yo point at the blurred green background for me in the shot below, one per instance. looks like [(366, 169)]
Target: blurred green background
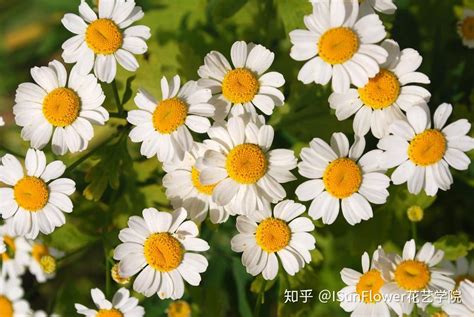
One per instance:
[(118, 182)]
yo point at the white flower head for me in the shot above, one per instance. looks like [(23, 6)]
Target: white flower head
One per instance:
[(60, 108), (163, 126), (466, 27), (462, 269), (11, 298), (16, 256), (43, 263), (100, 42), (466, 307)]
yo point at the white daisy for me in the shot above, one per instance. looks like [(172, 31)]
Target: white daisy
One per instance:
[(163, 126), (43, 261), (35, 201), (423, 154), (101, 42), (382, 99), (248, 174), (122, 305), (264, 234), (16, 256), (161, 247), (466, 307), (59, 107), (245, 85), (462, 269), (367, 288), (414, 274), (184, 189), (11, 302), (40, 313), (338, 44), (382, 6), (341, 177), (466, 27)]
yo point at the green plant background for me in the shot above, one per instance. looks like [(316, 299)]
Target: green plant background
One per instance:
[(117, 182)]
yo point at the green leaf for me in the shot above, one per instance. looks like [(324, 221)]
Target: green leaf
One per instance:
[(291, 12), (69, 238), (454, 246), (221, 9), (241, 277)]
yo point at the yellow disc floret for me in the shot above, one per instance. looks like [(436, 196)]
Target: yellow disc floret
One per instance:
[(10, 248), (412, 275), (369, 286), (342, 177), (204, 189), (48, 264), (467, 28), (117, 277), (103, 36), (31, 193), (109, 313), (179, 308), (273, 235), (163, 251), (381, 91), (169, 115), (6, 307), (338, 45), (240, 85), (427, 147), (415, 213), (246, 163), (61, 107), (38, 251)]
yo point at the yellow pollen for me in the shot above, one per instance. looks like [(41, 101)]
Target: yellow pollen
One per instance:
[(169, 115), (116, 275), (179, 309), (48, 264), (338, 45), (11, 248), (369, 286), (273, 235), (163, 251), (103, 36), (381, 91), (415, 213), (240, 85), (31, 193), (204, 189), (467, 28), (342, 177), (246, 163), (440, 314), (109, 313), (6, 307), (427, 147), (412, 275), (61, 107)]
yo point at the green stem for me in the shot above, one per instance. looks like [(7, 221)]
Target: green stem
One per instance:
[(116, 97), (260, 299), (415, 311), (117, 115), (413, 230), (9, 151)]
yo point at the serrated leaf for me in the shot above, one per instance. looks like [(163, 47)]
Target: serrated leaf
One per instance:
[(454, 246)]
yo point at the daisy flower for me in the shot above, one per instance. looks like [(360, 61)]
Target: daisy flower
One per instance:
[(184, 189), (59, 107), (423, 154), (117, 277), (382, 6), (264, 234), (122, 305), (466, 307), (245, 85), (161, 247), (16, 255), (341, 177), (11, 302), (367, 288), (247, 173), (381, 101), (462, 269), (466, 28), (163, 127), (339, 45), (43, 261), (35, 200), (179, 308), (101, 42), (414, 274)]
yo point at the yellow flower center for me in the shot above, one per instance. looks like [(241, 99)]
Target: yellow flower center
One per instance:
[(31, 193), (467, 28), (440, 314), (117, 277), (179, 309), (103, 36), (246, 163), (11, 248), (163, 251), (39, 250), (61, 107), (427, 147), (412, 275), (342, 177), (48, 264), (415, 213), (169, 115), (6, 307), (381, 91), (338, 45), (369, 286), (273, 234), (204, 189), (109, 313), (240, 85)]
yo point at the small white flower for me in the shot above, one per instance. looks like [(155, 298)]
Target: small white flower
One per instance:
[(382, 6), (264, 234), (466, 307), (16, 256), (466, 27), (43, 261), (101, 42), (461, 269), (12, 303)]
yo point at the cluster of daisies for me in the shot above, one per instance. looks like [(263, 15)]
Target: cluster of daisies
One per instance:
[(234, 170)]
